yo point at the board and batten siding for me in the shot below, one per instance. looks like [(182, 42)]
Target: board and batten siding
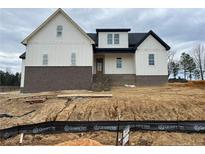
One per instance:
[(22, 73), (59, 49), (151, 46), (128, 64), (123, 40)]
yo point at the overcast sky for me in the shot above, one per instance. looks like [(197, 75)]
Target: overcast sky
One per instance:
[(182, 29)]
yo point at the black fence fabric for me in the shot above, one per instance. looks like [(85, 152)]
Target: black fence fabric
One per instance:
[(85, 126)]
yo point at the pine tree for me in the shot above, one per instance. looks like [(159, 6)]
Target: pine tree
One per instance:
[(184, 60), (175, 68), (191, 66)]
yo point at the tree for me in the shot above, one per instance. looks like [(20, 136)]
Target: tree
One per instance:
[(171, 54), (174, 68), (9, 79), (191, 66), (184, 60), (196, 74), (199, 58)]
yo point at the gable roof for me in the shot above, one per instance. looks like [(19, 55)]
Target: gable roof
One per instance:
[(156, 37), (49, 19)]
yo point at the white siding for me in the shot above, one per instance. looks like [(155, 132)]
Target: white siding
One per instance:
[(22, 73), (128, 64), (59, 49), (151, 43), (151, 46), (102, 40)]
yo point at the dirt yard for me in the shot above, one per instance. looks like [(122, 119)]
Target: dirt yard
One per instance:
[(109, 138), (171, 102)]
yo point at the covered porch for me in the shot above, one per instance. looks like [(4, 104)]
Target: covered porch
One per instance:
[(117, 67), (114, 61)]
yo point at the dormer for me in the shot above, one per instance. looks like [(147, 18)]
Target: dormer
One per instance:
[(113, 38)]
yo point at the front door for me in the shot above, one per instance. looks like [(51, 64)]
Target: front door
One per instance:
[(99, 65)]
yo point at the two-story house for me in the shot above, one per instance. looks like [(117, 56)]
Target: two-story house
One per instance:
[(60, 55)]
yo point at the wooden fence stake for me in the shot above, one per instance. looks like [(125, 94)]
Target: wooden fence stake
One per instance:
[(21, 138)]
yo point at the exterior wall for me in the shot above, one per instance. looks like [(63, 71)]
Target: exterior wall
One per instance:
[(151, 46), (151, 80), (121, 79), (52, 78), (128, 63), (22, 73), (59, 49), (102, 40)]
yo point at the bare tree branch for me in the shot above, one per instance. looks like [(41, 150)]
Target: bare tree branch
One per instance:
[(199, 57)]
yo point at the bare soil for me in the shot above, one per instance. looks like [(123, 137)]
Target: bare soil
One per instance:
[(109, 138), (180, 101)]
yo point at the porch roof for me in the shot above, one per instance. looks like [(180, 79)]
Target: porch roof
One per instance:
[(114, 50)]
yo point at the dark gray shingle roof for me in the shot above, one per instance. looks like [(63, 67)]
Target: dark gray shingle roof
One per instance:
[(94, 37), (113, 30), (23, 55), (135, 39)]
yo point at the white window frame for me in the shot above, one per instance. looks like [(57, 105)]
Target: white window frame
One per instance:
[(59, 31), (119, 62), (109, 38), (116, 38), (45, 59), (151, 59), (73, 59)]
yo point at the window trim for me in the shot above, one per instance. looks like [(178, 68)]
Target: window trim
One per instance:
[(73, 59), (118, 62), (59, 31), (110, 39), (151, 59), (45, 59), (117, 38)]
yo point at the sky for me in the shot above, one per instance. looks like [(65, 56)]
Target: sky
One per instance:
[(181, 29)]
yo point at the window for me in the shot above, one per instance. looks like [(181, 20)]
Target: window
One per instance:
[(116, 39), (151, 59), (45, 59), (109, 38), (59, 30), (73, 59), (119, 62)]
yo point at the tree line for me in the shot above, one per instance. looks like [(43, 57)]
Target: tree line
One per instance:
[(191, 63), (9, 79)]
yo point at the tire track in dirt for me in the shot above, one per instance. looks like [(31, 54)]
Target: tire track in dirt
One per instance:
[(72, 111), (90, 113), (67, 103)]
